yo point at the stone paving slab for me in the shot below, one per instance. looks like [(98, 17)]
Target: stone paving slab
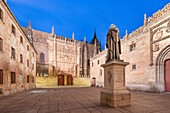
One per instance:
[(80, 100)]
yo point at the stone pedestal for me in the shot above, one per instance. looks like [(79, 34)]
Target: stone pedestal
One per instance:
[(115, 94)]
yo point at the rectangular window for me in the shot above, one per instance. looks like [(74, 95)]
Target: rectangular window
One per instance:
[(28, 77), (27, 63), (32, 79), (134, 67), (88, 62), (92, 64), (32, 66), (13, 30), (12, 53), (1, 14), (13, 77), (1, 76), (1, 44), (21, 58), (28, 47), (98, 62), (132, 47), (21, 79), (21, 39), (33, 54)]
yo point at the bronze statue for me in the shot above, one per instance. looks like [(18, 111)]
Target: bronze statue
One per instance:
[(113, 43)]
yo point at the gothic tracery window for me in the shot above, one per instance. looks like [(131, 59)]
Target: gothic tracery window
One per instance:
[(42, 57)]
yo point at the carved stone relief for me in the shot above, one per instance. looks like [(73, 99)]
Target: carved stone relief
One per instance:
[(158, 35), (155, 47)]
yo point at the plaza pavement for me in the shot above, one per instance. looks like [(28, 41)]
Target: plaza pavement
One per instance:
[(80, 100)]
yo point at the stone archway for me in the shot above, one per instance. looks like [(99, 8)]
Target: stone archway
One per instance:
[(160, 66)]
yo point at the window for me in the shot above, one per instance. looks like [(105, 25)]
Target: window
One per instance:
[(98, 62), (21, 58), (28, 47), (12, 53), (32, 79), (92, 64), (1, 14), (42, 57), (28, 77), (33, 54), (1, 44), (32, 66), (21, 39), (132, 46), (13, 77), (13, 30), (1, 76), (21, 79), (88, 62), (27, 63), (134, 67)]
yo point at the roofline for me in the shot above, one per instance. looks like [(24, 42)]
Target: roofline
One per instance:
[(19, 25)]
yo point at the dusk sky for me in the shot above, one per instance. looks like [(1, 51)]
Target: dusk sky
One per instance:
[(82, 16)]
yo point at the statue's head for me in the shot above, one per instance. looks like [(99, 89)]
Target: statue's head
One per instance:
[(112, 26)]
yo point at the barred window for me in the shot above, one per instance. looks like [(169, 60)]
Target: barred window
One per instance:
[(13, 77), (134, 67), (32, 79), (32, 66), (21, 39), (28, 78), (1, 76), (21, 58), (27, 63), (132, 46), (28, 47), (1, 44), (1, 14), (13, 30), (12, 53), (98, 62)]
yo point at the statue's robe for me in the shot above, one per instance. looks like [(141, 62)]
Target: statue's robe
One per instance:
[(113, 44)]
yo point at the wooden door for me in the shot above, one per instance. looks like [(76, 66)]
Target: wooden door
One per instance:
[(69, 80), (93, 81), (167, 75), (60, 80)]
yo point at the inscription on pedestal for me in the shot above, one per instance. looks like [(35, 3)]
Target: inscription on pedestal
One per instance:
[(119, 75)]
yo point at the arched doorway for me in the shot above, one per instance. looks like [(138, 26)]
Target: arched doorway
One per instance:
[(69, 80), (60, 80), (167, 75), (93, 81)]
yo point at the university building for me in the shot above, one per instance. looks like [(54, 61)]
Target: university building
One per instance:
[(147, 49), (17, 55), (64, 58)]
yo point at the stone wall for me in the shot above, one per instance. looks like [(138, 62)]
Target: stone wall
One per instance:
[(151, 40), (9, 64), (96, 70)]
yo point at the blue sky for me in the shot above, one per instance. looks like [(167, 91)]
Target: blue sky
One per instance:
[(82, 16)]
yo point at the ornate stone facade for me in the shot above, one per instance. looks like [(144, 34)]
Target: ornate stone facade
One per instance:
[(147, 49), (17, 55), (62, 56)]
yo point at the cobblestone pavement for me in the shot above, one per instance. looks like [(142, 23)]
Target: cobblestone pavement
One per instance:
[(79, 100)]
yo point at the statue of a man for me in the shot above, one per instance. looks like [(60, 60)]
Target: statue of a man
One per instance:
[(113, 43)]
